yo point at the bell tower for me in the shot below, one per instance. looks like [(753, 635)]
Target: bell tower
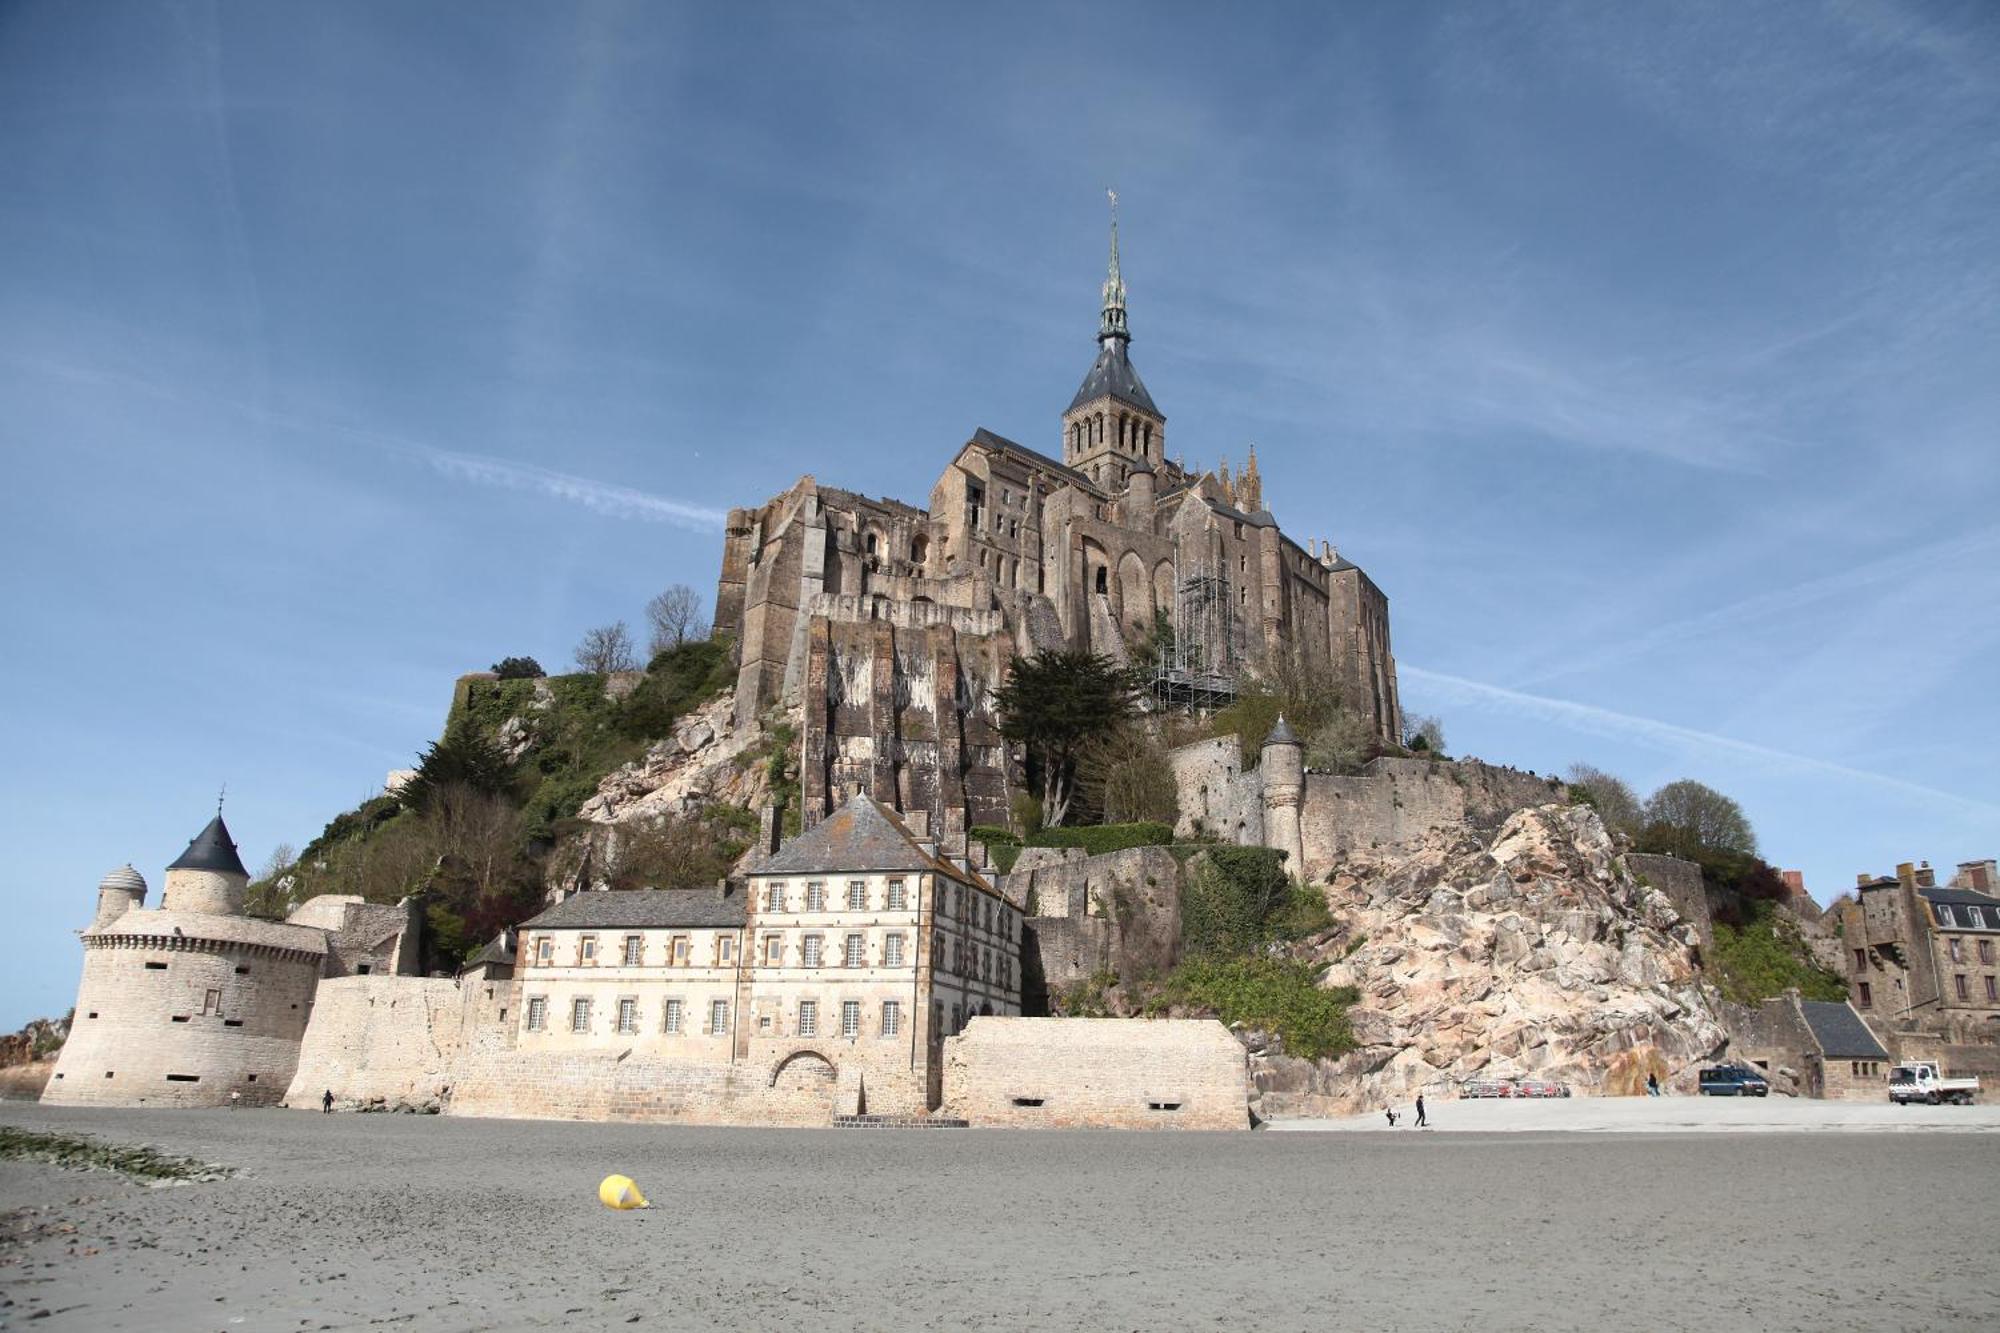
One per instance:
[(1112, 424)]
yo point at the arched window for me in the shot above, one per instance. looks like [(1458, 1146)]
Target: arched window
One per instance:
[(920, 549), (1103, 579), (871, 543)]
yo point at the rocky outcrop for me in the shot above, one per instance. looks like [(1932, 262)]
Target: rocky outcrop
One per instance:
[(1538, 954)]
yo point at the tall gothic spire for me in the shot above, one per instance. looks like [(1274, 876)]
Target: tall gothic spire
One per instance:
[(1112, 324)]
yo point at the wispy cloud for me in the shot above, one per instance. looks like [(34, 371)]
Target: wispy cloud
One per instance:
[(1670, 737), (601, 497)]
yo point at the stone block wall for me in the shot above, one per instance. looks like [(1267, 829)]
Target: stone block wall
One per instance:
[(1681, 882), (603, 1085), (1097, 1073), (380, 1038)]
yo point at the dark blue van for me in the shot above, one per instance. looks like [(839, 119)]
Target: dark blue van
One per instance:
[(1733, 1081)]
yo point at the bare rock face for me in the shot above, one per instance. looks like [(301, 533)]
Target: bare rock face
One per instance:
[(705, 761), (1539, 955)]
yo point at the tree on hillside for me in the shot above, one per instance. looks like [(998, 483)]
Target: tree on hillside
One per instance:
[(1423, 734), (1057, 704), (1686, 818), (606, 649), (674, 616), (1126, 775), (518, 668), (1610, 795), (1342, 745), (464, 757), (270, 894)]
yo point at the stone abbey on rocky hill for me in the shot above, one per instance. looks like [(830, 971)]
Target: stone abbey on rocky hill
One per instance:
[(891, 623)]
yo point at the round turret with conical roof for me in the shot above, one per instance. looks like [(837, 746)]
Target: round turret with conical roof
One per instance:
[(208, 876)]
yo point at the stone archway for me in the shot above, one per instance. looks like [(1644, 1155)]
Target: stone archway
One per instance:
[(803, 1071)]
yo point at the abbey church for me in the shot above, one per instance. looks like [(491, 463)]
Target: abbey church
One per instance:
[(892, 623)]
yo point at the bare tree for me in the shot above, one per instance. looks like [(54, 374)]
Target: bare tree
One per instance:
[(1610, 795), (1422, 732), (673, 615), (271, 895), (1343, 744), (606, 649), (1128, 776), (1686, 817)]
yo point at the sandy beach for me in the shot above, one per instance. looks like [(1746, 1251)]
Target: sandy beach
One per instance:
[(346, 1222)]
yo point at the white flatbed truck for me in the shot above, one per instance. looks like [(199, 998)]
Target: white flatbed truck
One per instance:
[(1920, 1081)]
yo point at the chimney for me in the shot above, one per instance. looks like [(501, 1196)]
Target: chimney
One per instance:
[(1863, 880), (1978, 875), (1795, 880), (919, 823), (1906, 874), (1926, 877), (770, 830)]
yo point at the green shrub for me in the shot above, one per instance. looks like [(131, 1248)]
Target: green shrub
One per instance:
[(678, 680), (1238, 898), (1270, 994), (1764, 957), (992, 834), (1004, 855), (518, 668), (1098, 839)]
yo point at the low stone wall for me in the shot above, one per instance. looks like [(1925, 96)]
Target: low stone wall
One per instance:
[(1096, 1073), (1681, 882), (607, 1085), (1398, 801)]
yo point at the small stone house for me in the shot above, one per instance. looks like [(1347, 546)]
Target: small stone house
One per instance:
[(1815, 1048)]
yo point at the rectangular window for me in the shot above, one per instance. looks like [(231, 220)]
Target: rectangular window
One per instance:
[(1991, 992), (1867, 997), (1957, 947), (810, 948), (774, 898), (1964, 991), (892, 1017), (899, 897), (1860, 960), (808, 1018), (634, 949), (677, 951), (815, 897), (857, 895), (586, 949), (211, 1002), (850, 1019), (579, 1014), (156, 967), (538, 1014), (725, 950), (774, 950), (545, 950), (628, 1015), (857, 952), (892, 951), (718, 1016), (1985, 952), (673, 1023)]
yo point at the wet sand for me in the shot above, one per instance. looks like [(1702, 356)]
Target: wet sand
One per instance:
[(345, 1222)]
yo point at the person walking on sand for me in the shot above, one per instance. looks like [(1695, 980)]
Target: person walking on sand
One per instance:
[(1390, 1111), (326, 1103), (1652, 1085), (1421, 1122)]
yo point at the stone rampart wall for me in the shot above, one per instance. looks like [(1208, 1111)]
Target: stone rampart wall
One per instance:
[(1096, 1073), (387, 1038), (1681, 882), (605, 1085)]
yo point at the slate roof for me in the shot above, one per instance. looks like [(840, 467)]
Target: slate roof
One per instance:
[(1840, 1032), (863, 835), (1282, 733), (212, 849), (1112, 374), (640, 909), (1033, 456), (1960, 897)]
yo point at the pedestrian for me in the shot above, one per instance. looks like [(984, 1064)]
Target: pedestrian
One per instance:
[(1421, 1122), (1391, 1113), (1652, 1085), (235, 1098), (326, 1103)]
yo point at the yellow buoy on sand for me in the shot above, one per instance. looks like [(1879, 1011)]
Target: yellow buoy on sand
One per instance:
[(619, 1192)]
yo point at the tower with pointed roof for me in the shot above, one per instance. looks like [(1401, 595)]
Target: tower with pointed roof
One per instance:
[(1112, 424), (208, 876)]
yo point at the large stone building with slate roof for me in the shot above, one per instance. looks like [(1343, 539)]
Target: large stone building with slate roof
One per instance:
[(841, 963), (196, 1003), (1923, 963), (890, 623)]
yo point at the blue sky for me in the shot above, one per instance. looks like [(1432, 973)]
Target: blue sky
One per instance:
[(1646, 357)]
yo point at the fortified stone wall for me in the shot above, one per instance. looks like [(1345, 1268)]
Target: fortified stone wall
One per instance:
[(363, 938), (381, 1038), (1119, 911), (1682, 883), (608, 1085), (906, 715), (1097, 1073)]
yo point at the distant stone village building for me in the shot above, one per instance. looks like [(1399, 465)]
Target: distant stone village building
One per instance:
[(197, 1004), (848, 957), (1814, 1048), (1923, 963), (891, 624)]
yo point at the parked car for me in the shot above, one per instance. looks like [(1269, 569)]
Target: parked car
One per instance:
[(1733, 1081), (1921, 1081)]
